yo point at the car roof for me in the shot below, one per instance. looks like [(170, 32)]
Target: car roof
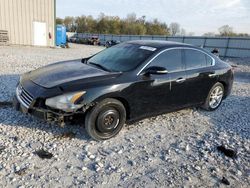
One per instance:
[(160, 44)]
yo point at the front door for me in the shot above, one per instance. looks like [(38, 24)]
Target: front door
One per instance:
[(162, 93)]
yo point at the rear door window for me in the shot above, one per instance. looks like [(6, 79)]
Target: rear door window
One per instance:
[(171, 60), (194, 59)]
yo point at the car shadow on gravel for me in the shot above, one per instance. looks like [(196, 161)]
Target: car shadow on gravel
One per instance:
[(232, 116), (7, 86)]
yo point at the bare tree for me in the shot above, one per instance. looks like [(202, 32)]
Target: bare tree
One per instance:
[(174, 28), (226, 30), (243, 35), (182, 32), (191, 34), (131, 17)]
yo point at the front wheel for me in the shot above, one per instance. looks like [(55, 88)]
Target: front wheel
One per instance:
[(214, 97), (106, 119)]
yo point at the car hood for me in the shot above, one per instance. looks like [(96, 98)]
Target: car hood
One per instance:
[(66, 72)]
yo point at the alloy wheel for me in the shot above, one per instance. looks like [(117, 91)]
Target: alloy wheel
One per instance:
[(216, 97)]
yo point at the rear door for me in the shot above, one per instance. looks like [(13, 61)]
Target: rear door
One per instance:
[(200, 75)]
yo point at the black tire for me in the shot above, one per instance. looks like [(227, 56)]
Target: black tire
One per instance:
[(207, 106), (105, 120)]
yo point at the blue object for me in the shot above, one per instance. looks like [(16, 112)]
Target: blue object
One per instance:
[(60, 35)]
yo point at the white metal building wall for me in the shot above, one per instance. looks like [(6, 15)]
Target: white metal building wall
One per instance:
[(18, 17)]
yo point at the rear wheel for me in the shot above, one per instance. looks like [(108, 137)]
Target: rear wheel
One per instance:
[(214, 97), (106, 119)]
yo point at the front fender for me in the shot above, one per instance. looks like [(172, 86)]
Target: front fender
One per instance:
[(95, 95)]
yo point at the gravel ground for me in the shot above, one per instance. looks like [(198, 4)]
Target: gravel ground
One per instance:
[(172, 150), (241, 68)]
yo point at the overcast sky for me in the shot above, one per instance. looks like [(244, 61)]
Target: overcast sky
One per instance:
[(198, 16)]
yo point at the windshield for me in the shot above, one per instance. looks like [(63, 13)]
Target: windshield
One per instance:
[(121, 58)]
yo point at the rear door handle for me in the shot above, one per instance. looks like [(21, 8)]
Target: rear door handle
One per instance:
[(180, 80), (212, 75)]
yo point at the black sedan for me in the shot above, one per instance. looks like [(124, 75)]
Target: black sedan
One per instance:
[(125, 83)]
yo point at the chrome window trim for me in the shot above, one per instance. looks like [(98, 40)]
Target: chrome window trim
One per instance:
[(178, 48)]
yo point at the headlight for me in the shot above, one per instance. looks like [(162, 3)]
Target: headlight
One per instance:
[(68, 102)]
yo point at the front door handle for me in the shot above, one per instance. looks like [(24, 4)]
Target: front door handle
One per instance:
[(180, 80), (212, 75)]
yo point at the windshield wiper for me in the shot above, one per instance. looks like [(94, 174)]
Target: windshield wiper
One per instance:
[(99, 66)]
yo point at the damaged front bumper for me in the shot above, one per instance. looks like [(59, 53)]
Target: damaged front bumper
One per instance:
[(48, 115), (45, 114)]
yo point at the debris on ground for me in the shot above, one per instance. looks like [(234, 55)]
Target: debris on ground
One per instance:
[(15, 138), (22, 171), (2, 148), (225, 181), (228, 152), (43, 154)]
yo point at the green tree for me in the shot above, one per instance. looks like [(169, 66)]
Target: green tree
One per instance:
[(114, 25), (103, 24), (81, 26), (69, 23), (90, 24), (157, 28), (59, 21)]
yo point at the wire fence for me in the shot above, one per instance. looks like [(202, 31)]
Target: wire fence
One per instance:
[(227, 46)]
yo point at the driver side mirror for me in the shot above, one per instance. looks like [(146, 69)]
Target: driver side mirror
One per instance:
[(84, 60), (155, 70)]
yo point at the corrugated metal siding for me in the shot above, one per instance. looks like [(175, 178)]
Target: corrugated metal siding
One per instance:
[(228, 47), (17, 17), (197, 42), (175, 39)]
